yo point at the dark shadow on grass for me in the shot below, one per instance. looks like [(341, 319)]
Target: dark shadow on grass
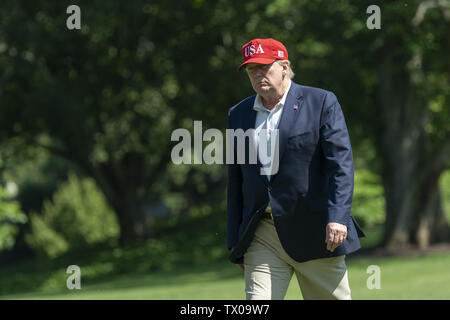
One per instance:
[(217, 271), (190, 244)]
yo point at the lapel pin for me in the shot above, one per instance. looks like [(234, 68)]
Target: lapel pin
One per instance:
[(295, 107)]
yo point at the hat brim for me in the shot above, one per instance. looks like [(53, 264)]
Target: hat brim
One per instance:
[(257, 60)]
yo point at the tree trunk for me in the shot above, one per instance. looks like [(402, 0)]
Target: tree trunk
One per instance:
[(429, 222), (411, 171), (414, 214), (131, 218), (122, 195)]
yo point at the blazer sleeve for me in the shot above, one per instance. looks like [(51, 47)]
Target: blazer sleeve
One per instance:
[(234, 197), (337, 150)]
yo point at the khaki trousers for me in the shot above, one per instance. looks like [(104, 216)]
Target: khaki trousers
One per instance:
[(269, 269)]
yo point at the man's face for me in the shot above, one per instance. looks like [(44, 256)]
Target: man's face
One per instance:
[(266, 79)]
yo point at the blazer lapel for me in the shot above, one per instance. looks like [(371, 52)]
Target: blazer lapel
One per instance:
[(250, 116), (289, 115), (249, 123)]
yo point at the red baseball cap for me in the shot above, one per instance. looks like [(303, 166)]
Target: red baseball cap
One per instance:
[(263, 51)]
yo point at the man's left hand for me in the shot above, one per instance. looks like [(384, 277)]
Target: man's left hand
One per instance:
[(336, 233)]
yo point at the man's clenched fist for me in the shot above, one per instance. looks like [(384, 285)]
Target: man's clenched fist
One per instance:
[(336, 233)]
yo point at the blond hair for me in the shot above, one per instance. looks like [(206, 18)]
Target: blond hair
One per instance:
[(290, 72)]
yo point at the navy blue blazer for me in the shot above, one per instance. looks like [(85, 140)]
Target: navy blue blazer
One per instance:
[(313, 185)]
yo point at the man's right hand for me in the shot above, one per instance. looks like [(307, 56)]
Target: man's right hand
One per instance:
[(240, 266)]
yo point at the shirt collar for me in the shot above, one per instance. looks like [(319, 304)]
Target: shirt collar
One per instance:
[(258, 106)]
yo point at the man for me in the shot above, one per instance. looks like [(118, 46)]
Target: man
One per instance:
[(294, 218)]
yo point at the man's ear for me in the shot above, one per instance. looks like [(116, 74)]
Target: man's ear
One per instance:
[(285, 66)]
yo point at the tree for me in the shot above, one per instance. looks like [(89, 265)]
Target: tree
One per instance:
[(108, 96), (395, 88), (414, 94)]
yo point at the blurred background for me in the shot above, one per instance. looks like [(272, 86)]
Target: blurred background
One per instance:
[(86, 118)]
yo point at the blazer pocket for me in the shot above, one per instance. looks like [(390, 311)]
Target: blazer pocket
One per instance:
[(303, 142)]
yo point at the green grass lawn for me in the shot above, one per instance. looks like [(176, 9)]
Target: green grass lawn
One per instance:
[(421, 277)]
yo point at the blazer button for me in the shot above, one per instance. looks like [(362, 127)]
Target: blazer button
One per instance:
[(269, 188)]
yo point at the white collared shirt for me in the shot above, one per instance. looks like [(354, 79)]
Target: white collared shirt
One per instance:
[(269, 120)]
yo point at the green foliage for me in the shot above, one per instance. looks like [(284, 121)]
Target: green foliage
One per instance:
[(108, 96), (37, 173), (445, 192), (187, 240), (77, 216), (10, 217), (44, 240), (368, 201)]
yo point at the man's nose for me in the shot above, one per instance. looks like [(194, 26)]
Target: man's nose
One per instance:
[(259, 74)]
